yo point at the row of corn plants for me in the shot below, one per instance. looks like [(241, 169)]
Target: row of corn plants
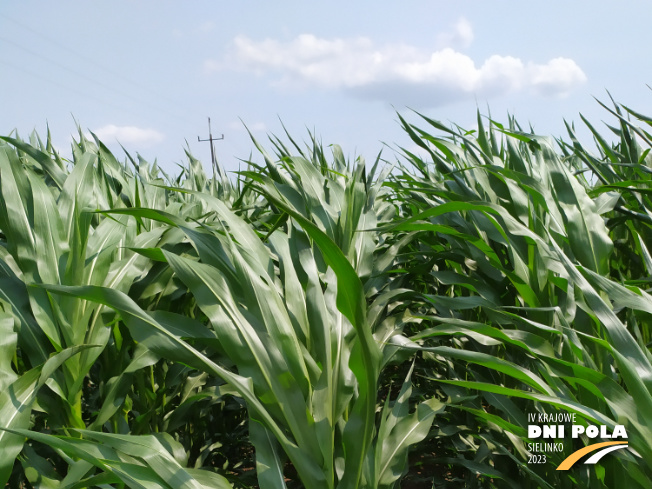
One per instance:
[(315, 322)]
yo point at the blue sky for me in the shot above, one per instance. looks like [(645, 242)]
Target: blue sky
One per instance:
[(148, 73)]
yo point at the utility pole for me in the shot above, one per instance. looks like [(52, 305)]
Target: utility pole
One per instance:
[(211, 139)]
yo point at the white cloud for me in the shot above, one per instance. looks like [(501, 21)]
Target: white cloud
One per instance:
[(557, 77), (398, 73), (461, 36), (129, 134)]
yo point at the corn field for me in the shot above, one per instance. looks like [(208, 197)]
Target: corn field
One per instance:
[(322, 323)]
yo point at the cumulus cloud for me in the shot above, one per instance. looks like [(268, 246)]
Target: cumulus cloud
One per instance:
[(559, 75), (129, 134), (461, 36), (398, 73)]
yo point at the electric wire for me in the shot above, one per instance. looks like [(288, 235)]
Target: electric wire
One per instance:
[(91, 80), (91, 61)]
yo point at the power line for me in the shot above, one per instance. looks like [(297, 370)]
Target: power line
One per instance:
[(92, 80), (93, 63), (65, 87), (87, 59)]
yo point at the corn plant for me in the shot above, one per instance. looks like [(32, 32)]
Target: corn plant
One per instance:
[(519, 294), (50, 237), (315, 322)]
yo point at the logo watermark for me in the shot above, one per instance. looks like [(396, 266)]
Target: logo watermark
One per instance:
[(548, 433)]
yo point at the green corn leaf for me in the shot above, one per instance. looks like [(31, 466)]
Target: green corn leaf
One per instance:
[(15, 406)]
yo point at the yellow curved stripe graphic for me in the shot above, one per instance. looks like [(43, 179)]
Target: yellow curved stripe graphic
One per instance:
[(575, 456)]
